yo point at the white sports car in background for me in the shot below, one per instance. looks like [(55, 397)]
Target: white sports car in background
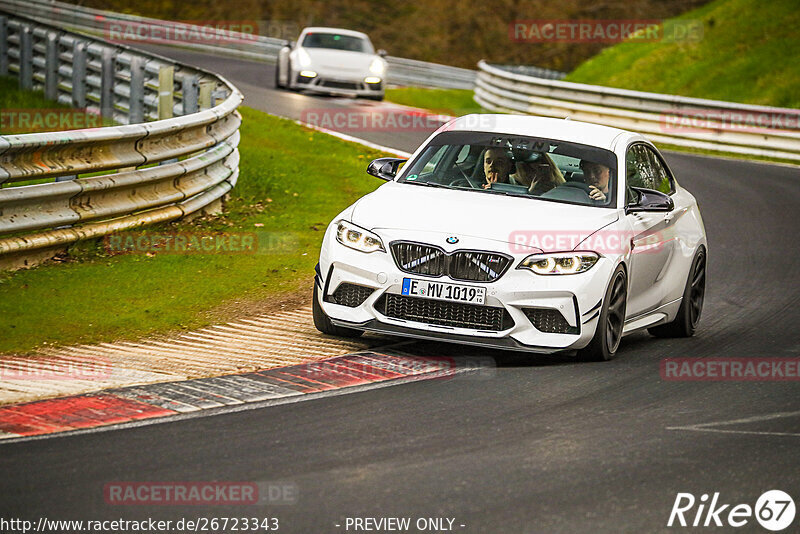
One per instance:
[(521, 233), (334, 61)]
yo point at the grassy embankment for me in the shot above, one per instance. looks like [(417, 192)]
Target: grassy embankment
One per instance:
[(293, 181)]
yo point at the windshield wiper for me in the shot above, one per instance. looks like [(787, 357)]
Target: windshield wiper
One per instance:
[(498, 192), (432, 184)]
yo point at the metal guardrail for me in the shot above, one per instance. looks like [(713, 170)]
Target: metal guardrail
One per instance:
[(681, 121), (149, 171), (247, 46)]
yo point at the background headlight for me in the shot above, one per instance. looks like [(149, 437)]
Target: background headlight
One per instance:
[(355, 237), (377, 66), (560, 262)]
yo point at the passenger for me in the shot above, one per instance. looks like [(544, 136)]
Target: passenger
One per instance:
[(540, 176), (496, 166), (596, 176)]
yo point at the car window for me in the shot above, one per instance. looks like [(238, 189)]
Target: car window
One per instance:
[(662, 180), (528, 167), (643, 168), (336, 41), (431, 156)]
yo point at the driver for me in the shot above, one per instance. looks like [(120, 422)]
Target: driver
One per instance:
[(596, 176)]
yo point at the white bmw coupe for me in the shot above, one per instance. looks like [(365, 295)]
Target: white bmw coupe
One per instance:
[(521, 233), (334, 61)]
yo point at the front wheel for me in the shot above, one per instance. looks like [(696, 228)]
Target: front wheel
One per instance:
[(278, 84), (324, 324), (611, 321), (685, 323)]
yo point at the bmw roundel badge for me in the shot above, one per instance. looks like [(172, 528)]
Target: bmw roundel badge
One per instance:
[(452, 240)]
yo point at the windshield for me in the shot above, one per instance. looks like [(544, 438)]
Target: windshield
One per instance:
[(530, 167), (337, 42)]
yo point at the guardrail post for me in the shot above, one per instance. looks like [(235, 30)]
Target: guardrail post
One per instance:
[(189, 90), (79, 75), (3, 46), (107, 72), (51, 67), (204, 95), (165, 89), (26, 58), (136, 97)]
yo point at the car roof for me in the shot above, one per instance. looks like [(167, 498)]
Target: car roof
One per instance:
[(341, 31), (585, 133)]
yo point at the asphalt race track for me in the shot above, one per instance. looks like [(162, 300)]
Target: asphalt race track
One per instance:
[(537, 444)]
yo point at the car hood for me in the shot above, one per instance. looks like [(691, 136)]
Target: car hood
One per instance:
[(528, 223), (341, 60)]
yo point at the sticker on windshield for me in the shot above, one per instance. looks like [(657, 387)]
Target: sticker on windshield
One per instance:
[(412, 177)]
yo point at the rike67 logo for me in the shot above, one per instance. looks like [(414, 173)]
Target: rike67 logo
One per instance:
[(774, 510)]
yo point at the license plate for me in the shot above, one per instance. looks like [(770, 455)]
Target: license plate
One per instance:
[(443, 291)]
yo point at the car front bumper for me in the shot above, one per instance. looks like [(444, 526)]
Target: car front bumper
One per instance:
[(338, 84), (524, 297)]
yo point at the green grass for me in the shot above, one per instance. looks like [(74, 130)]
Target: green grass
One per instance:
[(454, 102), (293, 181), (749, 52), (19, 112)]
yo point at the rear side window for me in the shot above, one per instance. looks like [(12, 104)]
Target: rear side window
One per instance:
[(644, 168)]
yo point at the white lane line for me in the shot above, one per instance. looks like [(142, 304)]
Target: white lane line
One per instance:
[(710, 427), (721, 431)]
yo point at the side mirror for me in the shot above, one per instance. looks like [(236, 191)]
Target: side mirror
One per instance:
[(650, 200), (384, 168), (382, 52)]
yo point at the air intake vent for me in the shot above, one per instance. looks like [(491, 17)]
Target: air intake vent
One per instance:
[(350, 295), (549, 320), (440, 312)]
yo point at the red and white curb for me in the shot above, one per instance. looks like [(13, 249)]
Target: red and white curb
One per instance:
[(152, 401)]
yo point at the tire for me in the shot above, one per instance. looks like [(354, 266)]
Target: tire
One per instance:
[(324, 324), (278, 76), (604, 344), (377, 98), (685, 323)]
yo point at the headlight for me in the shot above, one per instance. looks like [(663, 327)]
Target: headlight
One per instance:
[(377, 66), (355, 237), (303, 58), (560, 262)]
